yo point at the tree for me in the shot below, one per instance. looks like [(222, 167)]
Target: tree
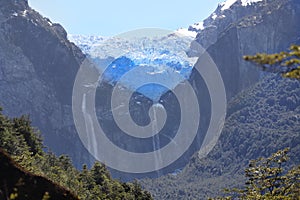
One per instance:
[(22, 125), (99, 173), (268, 179), (285, 63)]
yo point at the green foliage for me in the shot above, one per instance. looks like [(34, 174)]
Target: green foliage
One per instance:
[(288, 62), (268, 179), (20, 140)]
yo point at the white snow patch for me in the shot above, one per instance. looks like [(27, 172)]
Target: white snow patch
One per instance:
[(198, 26), (227, 4), (15, 14), (186, 32), (24, 13), (249, 2), (214, 16), (33, 22)]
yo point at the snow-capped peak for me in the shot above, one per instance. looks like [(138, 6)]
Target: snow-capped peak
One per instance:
[(228, 3)]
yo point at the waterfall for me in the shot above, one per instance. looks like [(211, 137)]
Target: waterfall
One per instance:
[(155, 141), (89, 128)]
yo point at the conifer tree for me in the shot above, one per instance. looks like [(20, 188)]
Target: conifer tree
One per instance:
[(285, 63), (268, 179)]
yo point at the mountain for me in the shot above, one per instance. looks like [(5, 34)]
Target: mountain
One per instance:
[(38, 66), (227, 35), (232, 28), (261, 119), (152, 60)]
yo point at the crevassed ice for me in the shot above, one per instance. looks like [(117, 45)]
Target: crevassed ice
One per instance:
[(159, 59), (85, 42)]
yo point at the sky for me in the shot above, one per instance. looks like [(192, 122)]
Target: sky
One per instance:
[(112, 17)]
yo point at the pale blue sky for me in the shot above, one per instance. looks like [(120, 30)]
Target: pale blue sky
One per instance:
[(111, 17)]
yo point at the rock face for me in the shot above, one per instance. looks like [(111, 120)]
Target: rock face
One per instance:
[(37, 70), (245, 29)]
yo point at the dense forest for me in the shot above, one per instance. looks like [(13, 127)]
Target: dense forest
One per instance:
[(28, 172)]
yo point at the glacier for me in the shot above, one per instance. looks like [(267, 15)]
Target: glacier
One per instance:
[(157, 57)]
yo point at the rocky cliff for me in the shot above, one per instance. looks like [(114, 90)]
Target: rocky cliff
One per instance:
[(37, 70), (238, 28)]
